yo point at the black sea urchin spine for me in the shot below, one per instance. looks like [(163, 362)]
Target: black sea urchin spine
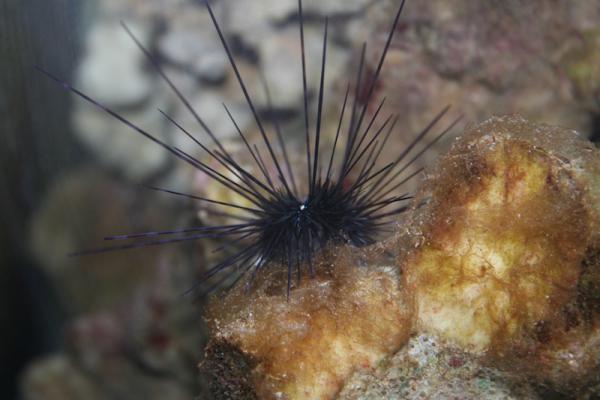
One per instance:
[(282, 225)]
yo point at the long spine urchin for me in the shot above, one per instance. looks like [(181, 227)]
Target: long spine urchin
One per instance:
[(286, 222)]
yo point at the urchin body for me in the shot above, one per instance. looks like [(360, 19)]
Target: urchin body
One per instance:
[(304, 226)]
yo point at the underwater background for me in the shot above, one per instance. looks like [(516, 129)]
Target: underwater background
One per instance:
[(116, 325)]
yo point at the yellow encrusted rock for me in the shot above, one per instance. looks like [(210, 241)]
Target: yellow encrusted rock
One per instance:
[(502, 243)]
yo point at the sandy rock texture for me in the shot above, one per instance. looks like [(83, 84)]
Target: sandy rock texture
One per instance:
[(429, 368)]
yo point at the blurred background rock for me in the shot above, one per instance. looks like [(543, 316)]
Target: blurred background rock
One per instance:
[(116, 324)]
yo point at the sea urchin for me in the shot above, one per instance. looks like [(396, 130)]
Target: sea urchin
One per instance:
[(348, 201)]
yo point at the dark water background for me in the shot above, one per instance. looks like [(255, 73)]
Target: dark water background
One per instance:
[(35, 146)]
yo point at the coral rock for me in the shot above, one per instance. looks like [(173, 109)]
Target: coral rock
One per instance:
[(347, 317), (502, 260)]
